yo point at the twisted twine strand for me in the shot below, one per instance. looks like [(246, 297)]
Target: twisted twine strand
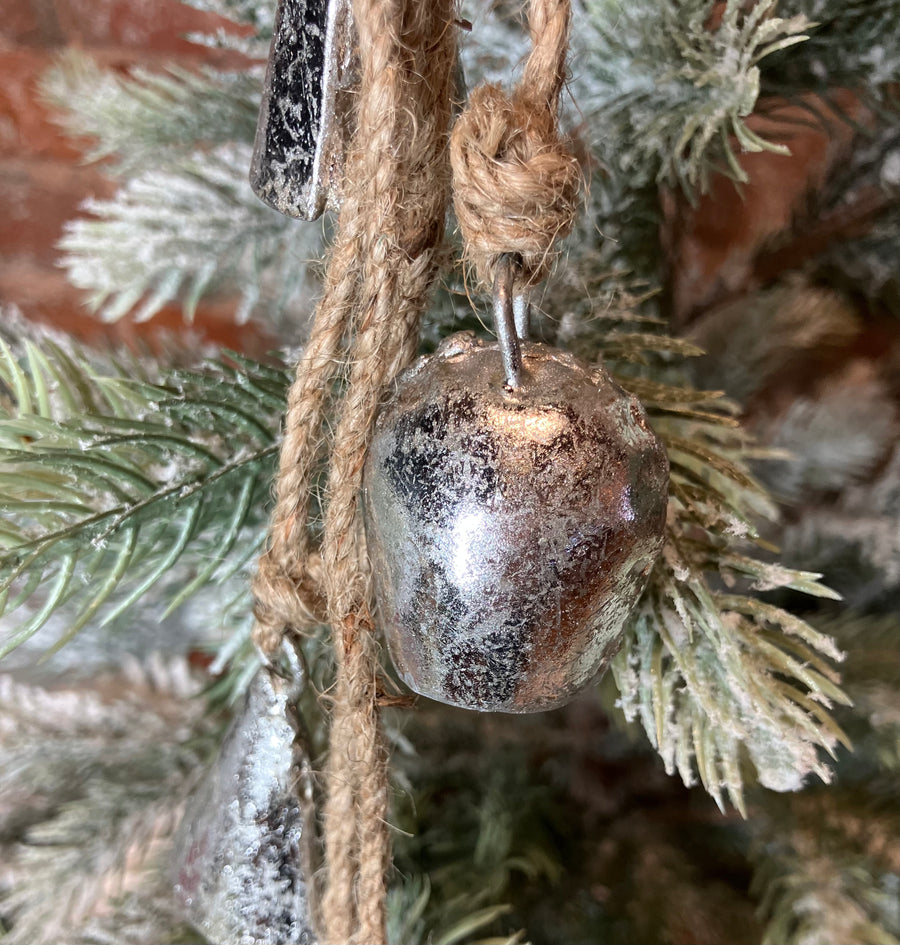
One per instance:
[(516, 182), (382, 264), (288, 585), (356, 740), (405, 204)]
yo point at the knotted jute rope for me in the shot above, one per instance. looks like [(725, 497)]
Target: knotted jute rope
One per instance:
[(516, 186), (516, 182), (384, 259)]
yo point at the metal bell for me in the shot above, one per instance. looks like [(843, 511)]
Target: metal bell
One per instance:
[(244, 852), (515, 504), (303, 125)]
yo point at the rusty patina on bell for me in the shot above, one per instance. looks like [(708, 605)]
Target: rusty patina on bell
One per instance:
[(512, 517)]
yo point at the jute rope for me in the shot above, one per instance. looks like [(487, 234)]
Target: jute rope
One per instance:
[(383, 262), (516, 186), (516, 182)]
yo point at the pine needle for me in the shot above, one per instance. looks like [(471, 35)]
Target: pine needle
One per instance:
[(155, 470)]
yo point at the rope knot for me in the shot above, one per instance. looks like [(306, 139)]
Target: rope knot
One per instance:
[(285, 602), (516, 182)]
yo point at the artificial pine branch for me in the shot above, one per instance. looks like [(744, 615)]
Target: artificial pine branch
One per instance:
[(711, 675), (827, 861), (691, 88), (693, 77), (853, 46), (718, 681), (713, 672), (827, 871), (872, 679), (183, 230), (256, 14), (185, 221), (148, 118), (836, 464), (110, 480), (855, 537), (749, 341), (663, 92), (96, 777), (848, 229), (471, 830), (833, 438)]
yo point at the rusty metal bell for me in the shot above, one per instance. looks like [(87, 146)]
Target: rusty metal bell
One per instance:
[(515, 504)]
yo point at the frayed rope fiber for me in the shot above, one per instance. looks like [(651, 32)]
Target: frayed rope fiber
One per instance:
[(510, 166)]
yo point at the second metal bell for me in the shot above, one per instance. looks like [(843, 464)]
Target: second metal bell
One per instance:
[(511, 529)]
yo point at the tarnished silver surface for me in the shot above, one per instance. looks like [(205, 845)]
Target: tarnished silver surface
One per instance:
[(243, 851), (511, 531), (522, 315), (510, 321), (304, 116)]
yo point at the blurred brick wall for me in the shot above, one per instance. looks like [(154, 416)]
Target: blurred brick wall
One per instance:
[(42, 179)]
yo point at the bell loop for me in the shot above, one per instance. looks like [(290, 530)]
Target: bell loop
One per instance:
[(522, 314), (512, 316)]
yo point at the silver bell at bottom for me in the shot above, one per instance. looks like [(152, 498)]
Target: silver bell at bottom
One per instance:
[(511, 529), (244, 849)]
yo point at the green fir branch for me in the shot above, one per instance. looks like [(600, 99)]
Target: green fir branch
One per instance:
[(255, 13), (82, 860), (871, 676), (713, 677), (670, 85), (145, 119), (183, 230), (835, 439), (185, 222), (97, 776), (750, 340), (258, 15), (704, 672), (852, 45), (826, 870), (111, 480), (471, 830)]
